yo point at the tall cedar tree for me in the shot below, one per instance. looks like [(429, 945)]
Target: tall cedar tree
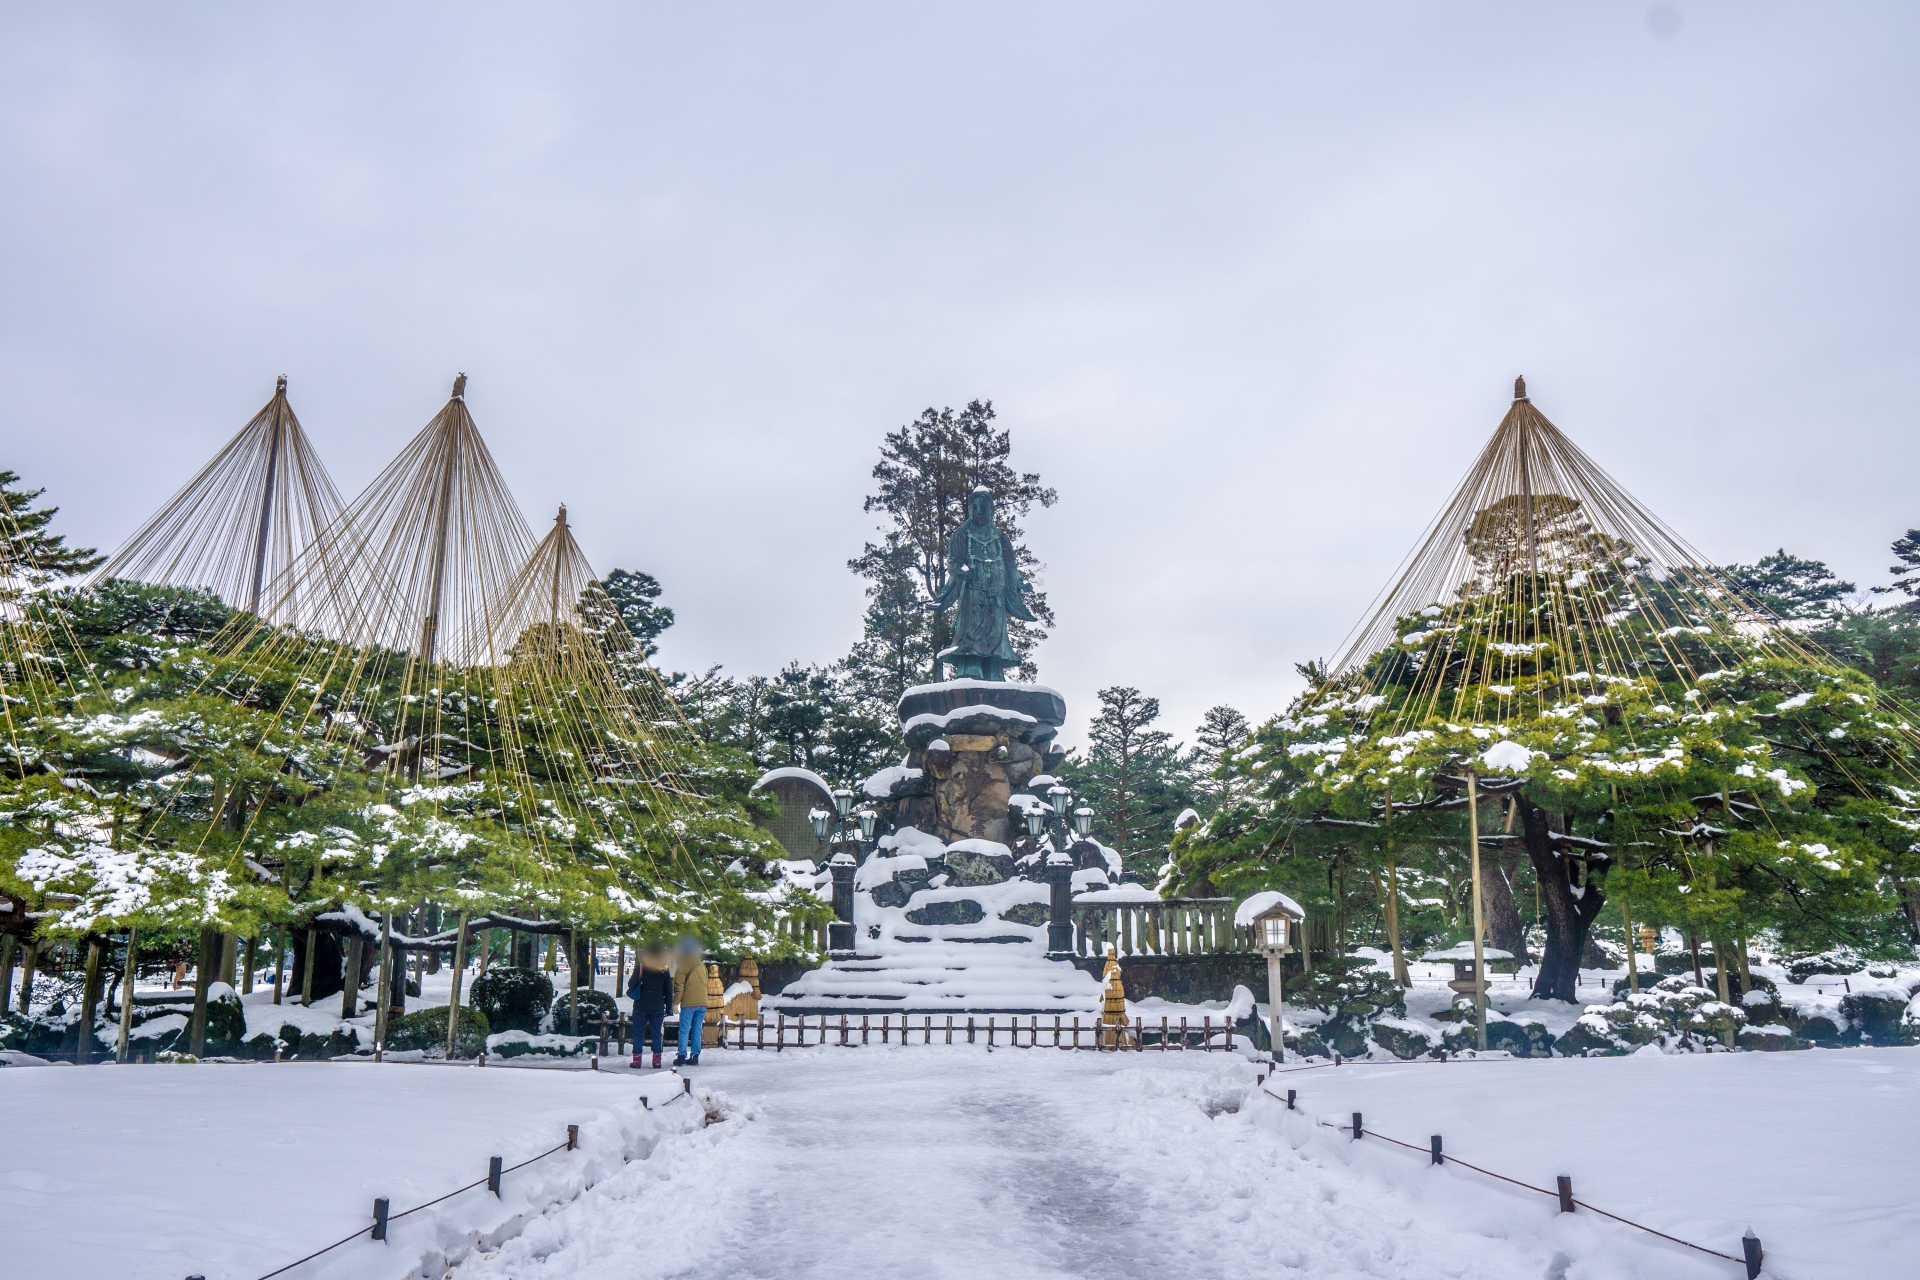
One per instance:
[(926, 470), (27, 551)]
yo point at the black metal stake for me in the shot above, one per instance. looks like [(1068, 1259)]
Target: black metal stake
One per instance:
[(493, 1174), (1750, 1243), (1357, 1129), (573, 1137), (1566, 1193), (1437, 1157), (1290, 1096), (380, 1219)]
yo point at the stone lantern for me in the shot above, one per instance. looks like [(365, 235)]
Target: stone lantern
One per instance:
[(1465, 980), (1272, 916)]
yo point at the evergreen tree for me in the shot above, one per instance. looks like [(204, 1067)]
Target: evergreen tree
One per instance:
[(28, 553), (1134, 777), (1792, 588), (1906, 549), (926, 470), (1223, 730), (1884, 643), (634, 594)]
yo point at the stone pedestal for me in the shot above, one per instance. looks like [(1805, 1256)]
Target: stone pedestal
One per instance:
[(971, 744)]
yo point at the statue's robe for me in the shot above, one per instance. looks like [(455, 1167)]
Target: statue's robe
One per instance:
[(983, 579)]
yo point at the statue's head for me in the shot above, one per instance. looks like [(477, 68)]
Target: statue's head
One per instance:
[(980, 506)]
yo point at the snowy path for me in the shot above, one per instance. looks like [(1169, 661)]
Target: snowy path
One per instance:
[(935, 1162)]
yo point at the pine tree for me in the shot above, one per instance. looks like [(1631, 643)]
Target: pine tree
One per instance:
[(1223, 730), (633, 593), (1792, 588), (27, 551), (1906, 549), (926, 470), (1135, 778)]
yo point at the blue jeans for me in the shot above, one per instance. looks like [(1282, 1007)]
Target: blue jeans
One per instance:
[(691, 1021), (649, 1026)]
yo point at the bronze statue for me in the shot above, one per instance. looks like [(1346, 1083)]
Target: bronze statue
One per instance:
[(983, 579)]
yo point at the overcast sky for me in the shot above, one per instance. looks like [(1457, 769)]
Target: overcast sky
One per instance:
[(1249, 284)]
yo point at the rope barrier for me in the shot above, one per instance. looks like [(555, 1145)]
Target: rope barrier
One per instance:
[(1528, 1186), (417, 1208)]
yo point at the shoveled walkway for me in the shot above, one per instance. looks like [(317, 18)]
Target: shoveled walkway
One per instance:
[(936, 1162)]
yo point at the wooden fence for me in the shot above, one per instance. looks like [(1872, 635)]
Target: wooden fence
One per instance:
[(1169, 927), (1030, 1031)]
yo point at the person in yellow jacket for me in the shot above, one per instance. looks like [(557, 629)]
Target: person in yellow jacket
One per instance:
[(690, 993)]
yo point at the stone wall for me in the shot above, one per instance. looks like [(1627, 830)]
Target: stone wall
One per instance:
[(1188, 979)]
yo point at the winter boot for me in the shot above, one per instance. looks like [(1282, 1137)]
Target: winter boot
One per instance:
[(679, 1060), (694, 1061), (656, 1061), (636, 1062)]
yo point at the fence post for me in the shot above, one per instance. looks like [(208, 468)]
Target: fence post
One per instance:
[(1565, 1185), (1437, 1157), (1290, 1096), (1750, 1245), (380, 1219), (1358, 1130), (573, 1137), (493, 1175)]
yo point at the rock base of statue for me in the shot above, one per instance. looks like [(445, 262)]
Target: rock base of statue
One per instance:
[(972, 744)]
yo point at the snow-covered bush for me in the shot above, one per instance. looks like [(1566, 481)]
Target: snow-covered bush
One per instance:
[(1879, 1017), (427, 1029), (594, 1005), (513, 999), (514, 1044), (1673, 1013), (1354, 995)]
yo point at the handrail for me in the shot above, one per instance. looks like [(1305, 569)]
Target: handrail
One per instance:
[(1167, 927)]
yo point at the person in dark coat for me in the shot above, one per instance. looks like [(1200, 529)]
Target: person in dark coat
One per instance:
[(651, 988)]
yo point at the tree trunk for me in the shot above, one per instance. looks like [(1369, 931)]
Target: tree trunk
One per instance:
[(350, 985), (229, 949), (89, 1001), (1569, 916), (459, 971), (126, 997), (246, 973), (8, 945), (26, 979), (306, 983), (1400, 974), (1497, 874), (279, 962), (202, 979)]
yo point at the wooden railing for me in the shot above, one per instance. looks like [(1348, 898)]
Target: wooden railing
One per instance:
[(1209, 1033), (809, 934), (1169, 927)]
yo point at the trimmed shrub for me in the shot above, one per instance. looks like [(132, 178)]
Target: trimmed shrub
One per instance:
[(594, 1005), (427, 1029), (513, 999)]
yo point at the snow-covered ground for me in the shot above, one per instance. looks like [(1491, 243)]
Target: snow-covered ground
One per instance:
[(160, 1172), (938, 1162), (1022, 1163)]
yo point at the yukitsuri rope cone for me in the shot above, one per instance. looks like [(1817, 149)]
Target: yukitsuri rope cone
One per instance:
[(249, 514), (1553, 647), (448, 665)]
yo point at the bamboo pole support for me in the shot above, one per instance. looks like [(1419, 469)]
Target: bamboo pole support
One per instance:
[(1479, 916), (382, 986)]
